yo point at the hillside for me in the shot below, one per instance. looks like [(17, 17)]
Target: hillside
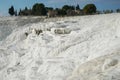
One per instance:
[(70, 48)]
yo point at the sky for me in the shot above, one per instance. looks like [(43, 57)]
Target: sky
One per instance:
[(100, 4)]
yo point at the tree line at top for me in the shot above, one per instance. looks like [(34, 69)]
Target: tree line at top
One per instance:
[(39, 9)]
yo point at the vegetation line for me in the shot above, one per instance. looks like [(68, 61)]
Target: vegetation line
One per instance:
[(39, 9)]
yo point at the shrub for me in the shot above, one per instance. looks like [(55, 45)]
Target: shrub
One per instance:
[(26, 34), (38, 31)]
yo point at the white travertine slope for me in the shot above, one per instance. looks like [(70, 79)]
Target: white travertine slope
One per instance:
[(71, 48)]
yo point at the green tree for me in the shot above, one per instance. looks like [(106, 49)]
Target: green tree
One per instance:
[(15, 13), (90, 9), (11, 11), (60, 12), (112, 11), (77, 7), (26, 8), (107, 11), (117, 10), (49, 8), (39, 9), (19, 12), (67, 7)]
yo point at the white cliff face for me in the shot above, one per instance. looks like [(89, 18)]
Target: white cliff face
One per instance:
[(72, 48), (102, 68)]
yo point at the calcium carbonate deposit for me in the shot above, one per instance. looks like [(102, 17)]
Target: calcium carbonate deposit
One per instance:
[(70, 48)]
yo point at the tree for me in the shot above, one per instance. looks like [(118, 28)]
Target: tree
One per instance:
[(107, 11), (112, 11), (67, 7), (60, 12), (19, 12), (77, 7), (26, 8), (49, 8), (117, 10), (11, 11), (15, 13), (39, 9), (89, 9)]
